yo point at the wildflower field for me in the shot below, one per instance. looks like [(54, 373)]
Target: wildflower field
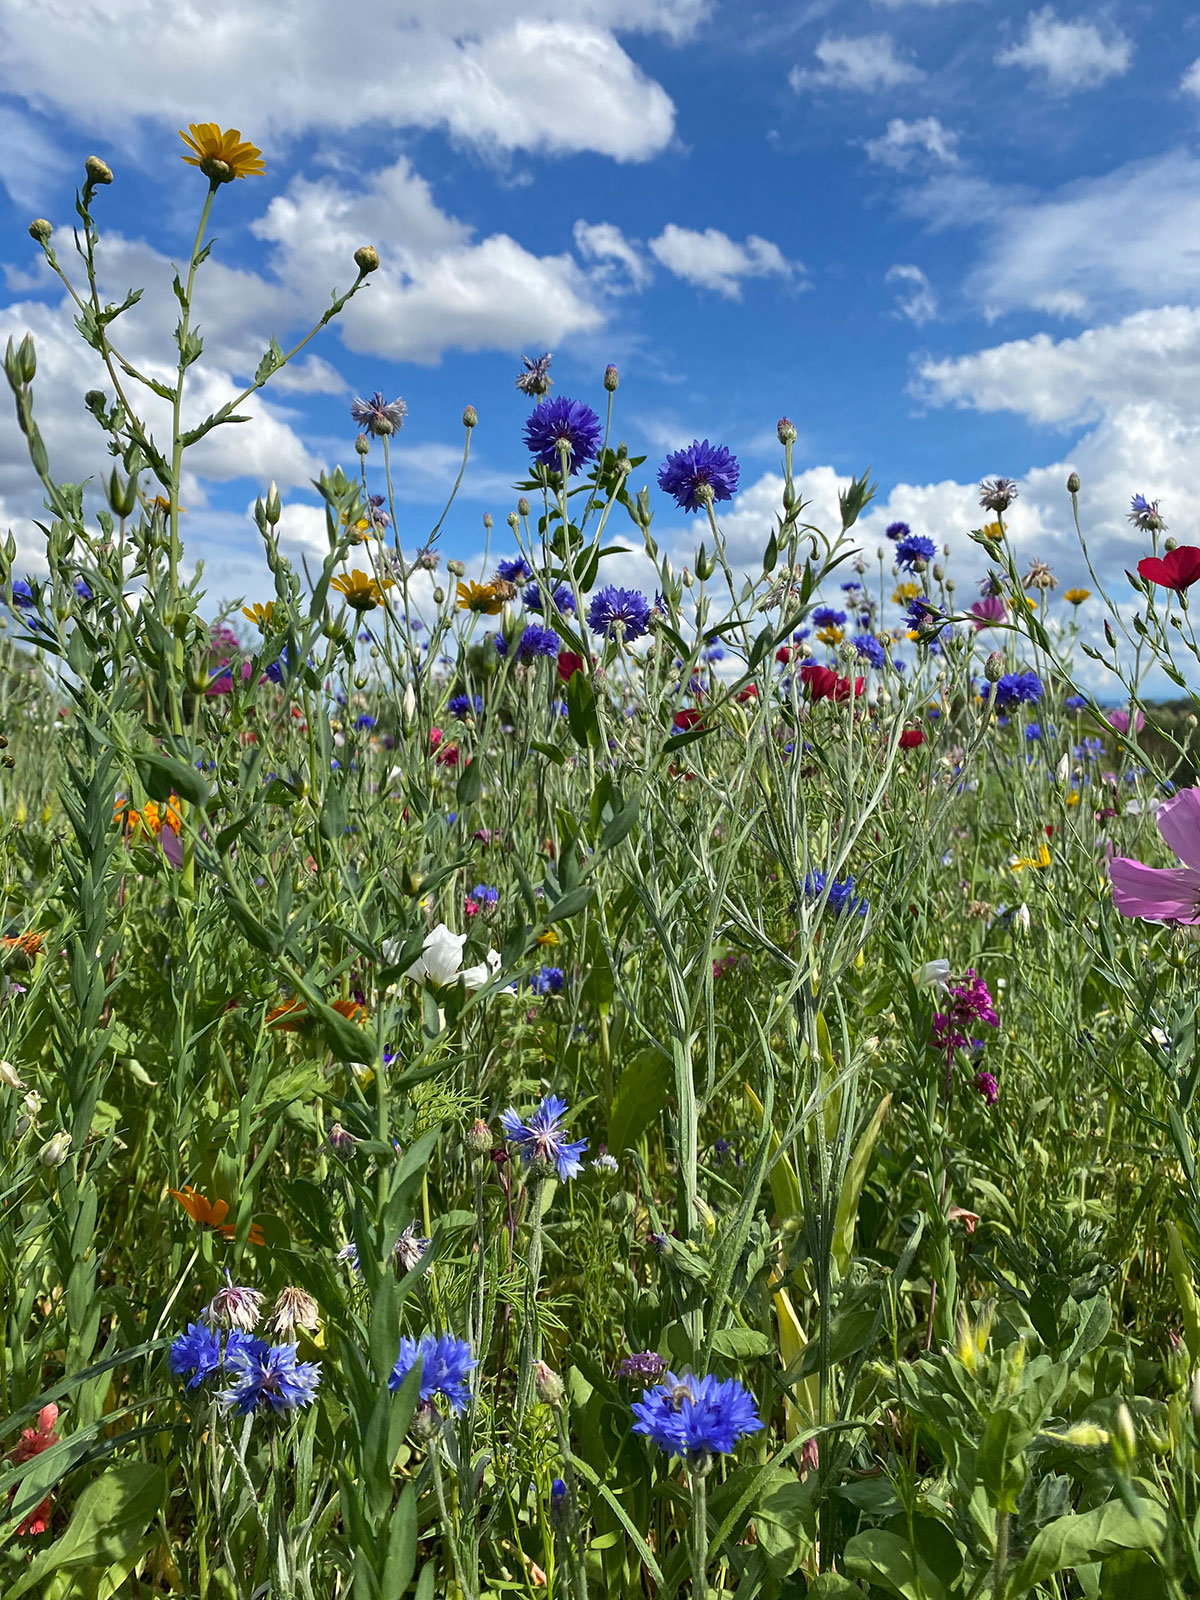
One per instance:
[(513, 1083)]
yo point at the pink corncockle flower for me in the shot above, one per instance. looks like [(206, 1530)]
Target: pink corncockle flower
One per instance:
[(988, 611), (1164, 894), (1118, 721)]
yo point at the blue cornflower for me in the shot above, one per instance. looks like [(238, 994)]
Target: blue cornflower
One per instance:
[(568, 421), (82, 589), (613, 608), (541, 1138), (558, 1502), (1075, 702), (365, 722), (381, 517), (690, 1416), (1033, 733), (870, 649), (682, 473), (897, 530), (828, 617), (22, 593), (564, 600), (549, 980), (445, 1365), (485, 894), (559, 708), (538, 641), (378, 416), (515, 569), (1014, 689), (841, 893), (462, 705), (198, 1351), (270, 1377), (1144, 514), (912, 548), (851, 588), (921, 614), (714, 653)]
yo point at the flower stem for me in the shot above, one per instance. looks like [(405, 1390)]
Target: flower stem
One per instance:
[(529, 1331), (698, 1483)]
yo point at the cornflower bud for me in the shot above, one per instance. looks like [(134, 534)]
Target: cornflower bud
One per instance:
[(548, 1386), (487, 521), (40, 230), (611, 378), (786, 429), (1073, 483), (366, 259), (362, 444), (469, 417), (455, 568), (522, 507), (513, 521), (341, 1141), (993, 667), (479, 1138), (439, 596)]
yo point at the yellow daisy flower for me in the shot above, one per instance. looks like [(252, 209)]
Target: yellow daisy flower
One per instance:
[(480, 597), (1039, 861), (549, 937), (830, 635), (221, 156), (904, 592), (161, 503), (362, 593), (1076, 597), (260, 613)]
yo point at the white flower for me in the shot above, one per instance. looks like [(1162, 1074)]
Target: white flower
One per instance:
[(934, 973), (441, 957), (1021, 917), (54, 1152), (476, 977), (409, 706), (9, 1077)]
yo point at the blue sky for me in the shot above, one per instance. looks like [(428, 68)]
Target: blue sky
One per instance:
[(948, 240)]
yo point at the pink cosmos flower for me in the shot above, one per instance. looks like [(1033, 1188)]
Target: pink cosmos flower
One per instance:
[(1118, 721), (988, 611), (1164, 894)]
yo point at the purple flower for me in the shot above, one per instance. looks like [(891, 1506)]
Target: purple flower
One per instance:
[(696, 1417), (536, 379), (644, 1364), (986, 1083), (1014, 689), (828, 617), (684, 471), (967, 1002), (912, 548), (563, 599), (841, 893), (541, 1138), (567, 422), (463, 705), (378, 416), (446, 1363), (198, 1352), (997, 494), (1164, 894), (1144, 515), (538, 641), (549, 980), (897, 530), (485, 894), (268, 1377), (514, 569), (870, 649), (624, 609)]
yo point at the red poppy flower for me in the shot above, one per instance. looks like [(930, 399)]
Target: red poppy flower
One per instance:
[(824, 684), (569, 664), (447, 756), (783, 654), (911, 738), (687, 718), (750, 692), (1177, 570)]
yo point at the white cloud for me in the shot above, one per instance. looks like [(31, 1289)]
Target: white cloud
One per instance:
[(1190, 82), (516, 77), (904, 141), (915, 299), (1069, 55), (712, 260), (868, 61), (32, 163), (604, 242)]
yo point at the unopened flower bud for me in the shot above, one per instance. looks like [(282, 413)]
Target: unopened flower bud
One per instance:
[(479, 1137), (469, 417), (1124, 1441), (273, 509), (487, 521), (513, 521), (522, 507), (9, 1076), (611, 378), (366, 259), (939, 572), (703, 492), (40, 230), (547, 1385), (455, 568), (786, 429), (1073, 483), (362, 444), (427, 1423), (1170, 542), (439, 596), (341, 1140), (54, 1152), (993, 667), (98, 171)]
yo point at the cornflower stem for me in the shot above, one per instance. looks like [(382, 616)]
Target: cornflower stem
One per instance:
[(698, 1483), (439, 1489), (1000, 1563), (529, 1330), (577, 1564)]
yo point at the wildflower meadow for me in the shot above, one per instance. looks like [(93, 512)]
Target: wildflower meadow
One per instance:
[(514, 1083)]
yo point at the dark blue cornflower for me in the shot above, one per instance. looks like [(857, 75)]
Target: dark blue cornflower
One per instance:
[(851, 588), (269, 1377), (538, 641), (462, 705), (366, 722), (696, 1417), (569, 422), (1014, 689), (1033, 733), (828, 617), (564, 600), (897, 530), (1075, 702), (647, 1365), (82, 589), (515, 569), (870, 649), (541, 1138), (714, 653), (558, 1502), (485, 894), (625, 609), (912, 548), (379, 515), (1144, 514), (198, 1352), (549, 980), (841, 898), (923, 616), (446, 1364), (559, 708), (684, 471), (22, 593), (724, 1151)]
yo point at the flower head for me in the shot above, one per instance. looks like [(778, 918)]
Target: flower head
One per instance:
[(548, 980), (1076, 597), (967, 1003), (1164, 894), (268, 1377), (997, 494), (446, 1364), (541, 1138), (482, 598), (31, 1443), (378, 416), (410, 1248), (515, 569), (644, 1364), (613, 609), (914, 548), (840, 893), (897, 530), (196, 1354), (537, 641), (696, 1417), (1144, 514), (260, 612), (294, 1308), (699, 463), (212, 1214), (562, 597), (870, 649), (1176, 570), (221, 156), (234, 1306), (362, 592), (988, 611), (563, 422), (1014, 689), (986, 1083), (536, 379), (1039, 576)]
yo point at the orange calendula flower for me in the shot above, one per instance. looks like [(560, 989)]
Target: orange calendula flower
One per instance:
[(362, 592), (221, 156), (262, 613), (480, 597), (28, 945), (212, 1213), (293, 1014), (152, 818)]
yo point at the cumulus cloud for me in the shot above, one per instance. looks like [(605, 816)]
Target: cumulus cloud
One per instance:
[(905, 141), (915, 299), (605, 243), (866, 62), (1068, 55), (712, 260), (518, 77)]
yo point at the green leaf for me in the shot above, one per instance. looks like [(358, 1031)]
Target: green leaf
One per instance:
[(889, 1561), (642, 1094), (740, 1344), (1001, 1462), (470, 784), (550, 751), (1076, 1540), (581, 711), (108, 1522), (856, 1172), (162, 776), (570, 903)]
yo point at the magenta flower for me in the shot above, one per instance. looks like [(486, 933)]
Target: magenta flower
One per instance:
[(988, 611), (1164, 894), (1118, 721)]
